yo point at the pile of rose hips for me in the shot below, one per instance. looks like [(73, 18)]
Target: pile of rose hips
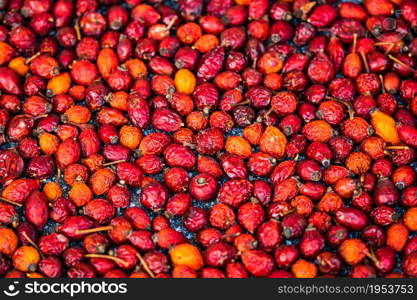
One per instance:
[(220, 138)]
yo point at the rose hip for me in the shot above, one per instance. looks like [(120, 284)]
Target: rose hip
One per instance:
[(279, 136)]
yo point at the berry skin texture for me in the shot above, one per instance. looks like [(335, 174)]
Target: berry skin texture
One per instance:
[(186, 255), (353, 251), (304, 269), (273, 142), (257, 262), (208, 139)]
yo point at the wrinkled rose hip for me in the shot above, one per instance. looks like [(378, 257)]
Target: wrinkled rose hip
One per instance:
[(213, 139)]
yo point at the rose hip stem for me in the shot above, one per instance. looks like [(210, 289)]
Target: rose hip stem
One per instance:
[(390, 44), (40, 117), (25, 235), (371, 257), (305, 9), (29, 60), (113, 163), (381, 78), (232, 235), (190, 145), (290, 211), (171, 23), (11, 202), (351, 112), (383, 43), (268, 113), (244, 102), (355, 42), (145, 266), (77, 29), (92, 230), (58, 175), (396, 60), (401, 147), (114, 258), (255, 61)]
